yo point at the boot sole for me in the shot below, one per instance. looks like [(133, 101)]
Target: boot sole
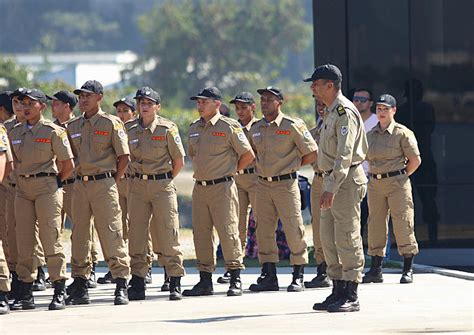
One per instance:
[(175, 298), (344, 310), (56, 308), (121, 302), (316, 285), (234, 294), (76, 302), (198, 295)]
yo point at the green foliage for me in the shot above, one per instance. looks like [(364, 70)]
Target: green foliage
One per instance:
[(194, 43), (11, 75)]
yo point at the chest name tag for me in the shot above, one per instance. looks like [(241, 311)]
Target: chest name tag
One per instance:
[(42, 140), (194, 135), (76, 135), (16, 141), (133, 141), (256, 135), (219, 134), (158, 138), (283, 132), (102, 133)]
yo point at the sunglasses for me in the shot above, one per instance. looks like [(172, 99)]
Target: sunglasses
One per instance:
[(360, 99)]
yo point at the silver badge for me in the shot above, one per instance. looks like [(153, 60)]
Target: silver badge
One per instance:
[(241, 136), (307, 134), (344, 130), (121, 133), (177, 139)]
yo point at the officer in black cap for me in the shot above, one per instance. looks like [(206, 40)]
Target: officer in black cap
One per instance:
[(63, 103), (342, 149)]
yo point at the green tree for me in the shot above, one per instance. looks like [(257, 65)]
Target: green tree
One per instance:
[(192, 43), (11, 74)]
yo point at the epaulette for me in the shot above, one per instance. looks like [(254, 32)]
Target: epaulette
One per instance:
[(130, 123), (165, 122), (229, 121), (74, 119), (51, 124), (195, 121), (341, 110)]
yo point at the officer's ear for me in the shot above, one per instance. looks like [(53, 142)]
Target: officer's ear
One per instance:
[(158, 107), (394, 110), (218, 103), (100, 97)]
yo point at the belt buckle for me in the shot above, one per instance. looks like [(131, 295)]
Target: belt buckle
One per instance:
[(269, 179), (26, 176), (241, 171), (144, 176), (378, 176), (85, 178), (203, 183)]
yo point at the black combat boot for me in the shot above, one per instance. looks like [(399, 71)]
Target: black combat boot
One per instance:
[(78, 293), (40, 283), (59, 297), (321, 280), (16, 304), (374, 275), (225, 278), (121, 295), (4, 308), (338, 288), (297, 281), (349, 301), (25, 300), (166, 284), (136, 288), (48, 283), (203, 287), (407, 275), (175, 288), (106, 279), (268, 280), (235, 288), (15, 287), (92, 282), (148, 277)]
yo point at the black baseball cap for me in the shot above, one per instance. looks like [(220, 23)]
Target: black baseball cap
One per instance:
[(64, 96), (6, 100), (208, 93), (127, 101), (246, 97), (18, 92), (35, 94), (326, 71), (386, 100), (90, 86), (273, 90), (148, 93)]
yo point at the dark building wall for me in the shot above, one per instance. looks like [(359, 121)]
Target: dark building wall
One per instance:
[(422, 52)]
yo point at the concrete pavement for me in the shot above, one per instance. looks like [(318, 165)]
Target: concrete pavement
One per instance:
[(433, 304)]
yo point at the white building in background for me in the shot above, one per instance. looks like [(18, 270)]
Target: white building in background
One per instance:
[(74, 68)]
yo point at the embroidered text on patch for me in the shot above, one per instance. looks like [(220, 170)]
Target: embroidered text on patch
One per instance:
[(103, 133), (43, 140), (283, 132), (215, 133), (158, 138)]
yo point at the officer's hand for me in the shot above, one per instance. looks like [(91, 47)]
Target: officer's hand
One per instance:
[(326, 200)]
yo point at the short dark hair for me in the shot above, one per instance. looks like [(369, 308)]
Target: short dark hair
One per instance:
[(371, 95)]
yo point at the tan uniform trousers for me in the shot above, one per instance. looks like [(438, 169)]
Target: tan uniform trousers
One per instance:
[(3, 221), (123, 187), (391, 196), (340, 233), (280, 199), (38, 202), (38, 258), (100, 200), (247, 194), (4, 273), (216, 206), (157, 198), (67, 211), (316, 191)]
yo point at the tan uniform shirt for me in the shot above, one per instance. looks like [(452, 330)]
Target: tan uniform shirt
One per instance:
[(5, 144), (389, 149), (246, 130), (280, 145), (9, 124), (37, 148), (215, 147), (316, 133), (343, 142), (97, 142), (152, 149)]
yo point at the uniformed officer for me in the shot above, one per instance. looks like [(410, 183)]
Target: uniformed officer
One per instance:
[(6, 165), (393, 156), (282, 145), (246, 179), (10, 184), (99, 143), (321, 280), (37, 145), (218, 149), (342, 149), (157, 156)]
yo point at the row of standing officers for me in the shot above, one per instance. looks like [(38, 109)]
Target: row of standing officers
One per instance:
[(235, 164)]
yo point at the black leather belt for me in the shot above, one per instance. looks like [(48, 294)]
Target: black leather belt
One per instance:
[(167, 175), (329, 172), (292, 175), (319, 174), (246, 171), (214, 181), (388, 174), (69, 181), (95, 177), (41, 174)]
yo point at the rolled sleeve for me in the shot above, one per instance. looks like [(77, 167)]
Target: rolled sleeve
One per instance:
[(175, 145), (120, 139), (409, 145), (303, 139), (61, 145), (239, 141)]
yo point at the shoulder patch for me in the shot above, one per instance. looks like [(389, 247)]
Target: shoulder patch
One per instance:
[(341, 110)]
